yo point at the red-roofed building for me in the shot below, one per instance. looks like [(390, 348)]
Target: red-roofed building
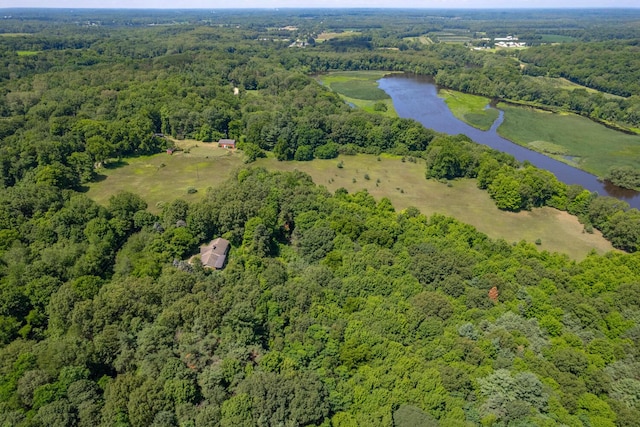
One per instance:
[(227, 143)]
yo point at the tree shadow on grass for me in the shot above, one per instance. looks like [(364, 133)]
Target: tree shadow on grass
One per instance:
[(96, 178), (99, 177), (115, 164)]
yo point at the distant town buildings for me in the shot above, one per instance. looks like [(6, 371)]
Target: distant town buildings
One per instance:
[(508, 41), (299, 43), (505, 39)]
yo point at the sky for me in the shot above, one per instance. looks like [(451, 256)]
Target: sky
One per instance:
[(269, 4)]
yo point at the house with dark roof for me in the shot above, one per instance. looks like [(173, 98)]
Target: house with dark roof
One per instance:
[(215, 253), (227, 143)]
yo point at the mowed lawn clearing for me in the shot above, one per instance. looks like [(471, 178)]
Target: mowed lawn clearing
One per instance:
[(161, 178), (405, 185), (570, 138)]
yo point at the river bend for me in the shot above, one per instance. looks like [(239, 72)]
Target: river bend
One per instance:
[(416, 97)]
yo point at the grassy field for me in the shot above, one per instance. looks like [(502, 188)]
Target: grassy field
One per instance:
[(203, 165), (162, 177), (328, 35), (15, 34), (471, 109), (360, 88), (27, 52), (454, 39), (562, 83), (556, 38), (570, 138), (404, 184), (451, 36), (421, 39)]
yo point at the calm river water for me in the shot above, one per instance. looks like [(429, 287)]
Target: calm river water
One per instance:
[(417, 98)]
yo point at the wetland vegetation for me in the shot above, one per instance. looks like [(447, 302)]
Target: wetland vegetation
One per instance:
[(360, 89), (473, 110), (571, 138)]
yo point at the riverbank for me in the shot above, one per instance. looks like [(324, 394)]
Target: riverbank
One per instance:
[(572, 139), (569, 138), (360, 89), (474, 110), (416, 97)]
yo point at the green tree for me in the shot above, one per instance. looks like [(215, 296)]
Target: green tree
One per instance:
[(57, 175), (326, 151), (623, 230), (146, 402), (624, 176), (303, 153), (505, 190), (173, 212), (99, 149)]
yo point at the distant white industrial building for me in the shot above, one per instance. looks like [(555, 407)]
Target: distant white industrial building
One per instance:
[(508, 41)]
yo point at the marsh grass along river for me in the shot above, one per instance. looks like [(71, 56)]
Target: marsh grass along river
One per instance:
[(416, 97)]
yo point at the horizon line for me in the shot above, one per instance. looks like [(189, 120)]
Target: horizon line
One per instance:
[(322, 8)]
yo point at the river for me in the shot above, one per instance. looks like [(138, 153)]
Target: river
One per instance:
[(416, 97)]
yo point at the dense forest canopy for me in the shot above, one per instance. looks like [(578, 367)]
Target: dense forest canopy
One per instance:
[(575, 61), (333, 309)]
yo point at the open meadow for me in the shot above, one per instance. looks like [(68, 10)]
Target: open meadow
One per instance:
[(570, 138), (556, 38), (562, 83), (161, 178), (451, 36), (204, 165), (329, 35), (424, 39)]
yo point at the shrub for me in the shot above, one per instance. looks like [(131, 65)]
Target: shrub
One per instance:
[(327, 151), (624, 176), (380, 106), (349, 149), (252, 152), (304, 153)]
